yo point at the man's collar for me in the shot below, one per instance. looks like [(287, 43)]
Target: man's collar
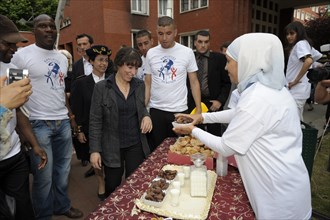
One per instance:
[(207, 54)]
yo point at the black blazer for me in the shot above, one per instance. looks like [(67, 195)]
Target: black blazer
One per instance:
[(218, 80), (78, 69), (81, 96)]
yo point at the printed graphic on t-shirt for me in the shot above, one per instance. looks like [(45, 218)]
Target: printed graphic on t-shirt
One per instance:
[(141, 72), (167, 71), (54, 76)]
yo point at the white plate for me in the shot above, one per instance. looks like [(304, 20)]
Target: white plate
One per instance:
[(177, 125)]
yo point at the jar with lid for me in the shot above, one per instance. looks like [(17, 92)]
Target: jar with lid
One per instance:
[(198, 176)]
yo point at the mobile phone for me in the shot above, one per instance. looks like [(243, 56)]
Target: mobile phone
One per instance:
[(16, 74)]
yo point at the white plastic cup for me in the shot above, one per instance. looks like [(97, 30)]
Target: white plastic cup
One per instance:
[(222, 165), (186, 171), (176, 184), (181, 178), (175, 193)]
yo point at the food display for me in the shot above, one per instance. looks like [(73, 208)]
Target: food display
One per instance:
[(167, 174), (189, 145), (156, 190), (183, 120), (188, 207)]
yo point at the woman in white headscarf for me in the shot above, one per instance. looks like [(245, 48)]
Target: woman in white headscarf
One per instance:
[(264, 130)]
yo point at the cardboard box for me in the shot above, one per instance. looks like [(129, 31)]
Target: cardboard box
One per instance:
[(180, 159)]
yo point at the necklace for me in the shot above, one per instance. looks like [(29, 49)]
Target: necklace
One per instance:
[(123, 88)]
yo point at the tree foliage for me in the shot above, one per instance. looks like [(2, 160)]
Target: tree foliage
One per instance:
[(27, 10), (319, 31)]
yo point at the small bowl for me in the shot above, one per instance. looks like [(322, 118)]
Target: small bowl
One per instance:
[(177, 125)]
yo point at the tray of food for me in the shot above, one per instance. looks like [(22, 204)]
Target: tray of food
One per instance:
[(189, 207), (156, 192), (186, 146)]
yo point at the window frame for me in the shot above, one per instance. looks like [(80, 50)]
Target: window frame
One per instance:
[(145, 7), (190, 5), (168, 7)]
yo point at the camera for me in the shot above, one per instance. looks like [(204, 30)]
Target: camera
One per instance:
[(319, 73), (16, 74)]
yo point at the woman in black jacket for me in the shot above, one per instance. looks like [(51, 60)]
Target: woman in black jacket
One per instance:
[(119, 121)]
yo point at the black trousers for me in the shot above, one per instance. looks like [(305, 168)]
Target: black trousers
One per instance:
[(131, 158), (161, 126), (82, 149), (14, 176)]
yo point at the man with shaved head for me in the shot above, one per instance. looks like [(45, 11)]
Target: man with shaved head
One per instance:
[(50, 117)]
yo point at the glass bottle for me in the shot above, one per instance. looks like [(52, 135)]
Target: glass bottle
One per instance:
[(198, 176)]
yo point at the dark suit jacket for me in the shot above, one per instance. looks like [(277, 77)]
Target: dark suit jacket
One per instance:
[(218, 80), (81, 96)]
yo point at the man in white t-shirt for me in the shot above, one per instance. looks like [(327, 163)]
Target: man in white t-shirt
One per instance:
[(49, 119), (167, 67), (14, 167), (144, 43)]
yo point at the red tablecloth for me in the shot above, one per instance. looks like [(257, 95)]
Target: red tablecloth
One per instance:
[(229, 199)]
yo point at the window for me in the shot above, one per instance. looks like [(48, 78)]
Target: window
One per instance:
[(187, 39), (188, 5), (140, 7), (165, 8)]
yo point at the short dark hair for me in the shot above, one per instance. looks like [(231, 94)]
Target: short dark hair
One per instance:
[(204, 33), (143, 33), (166, 21), (128, 56), (225, 44), (90, 39)]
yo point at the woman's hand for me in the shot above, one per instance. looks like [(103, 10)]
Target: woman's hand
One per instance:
[(95, 160), (293, 83), (187, 129), (197, 118), (81, 137), (146, 125)]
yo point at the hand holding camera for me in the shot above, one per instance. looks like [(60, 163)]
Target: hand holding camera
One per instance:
[(15, 94)]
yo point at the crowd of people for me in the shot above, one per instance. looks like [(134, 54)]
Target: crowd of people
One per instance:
[(115, 113)]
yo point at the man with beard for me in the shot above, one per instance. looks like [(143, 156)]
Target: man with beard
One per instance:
[(50, 117)]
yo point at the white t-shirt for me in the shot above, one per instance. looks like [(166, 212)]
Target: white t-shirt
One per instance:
[(15, 144), (265, 132), (301, 49), (142, 70), (47, 70), (169, 68)]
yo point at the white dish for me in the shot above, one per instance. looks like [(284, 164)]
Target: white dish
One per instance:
[(177, 125)]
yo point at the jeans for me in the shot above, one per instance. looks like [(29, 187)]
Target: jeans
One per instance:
[(50, 184)]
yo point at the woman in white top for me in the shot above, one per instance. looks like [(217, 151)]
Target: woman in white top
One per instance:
[(264, 130), (301, 56)]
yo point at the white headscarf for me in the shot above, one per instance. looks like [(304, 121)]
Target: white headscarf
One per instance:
[(260, 58)]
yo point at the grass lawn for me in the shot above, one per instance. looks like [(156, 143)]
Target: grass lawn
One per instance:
[(321, 181)]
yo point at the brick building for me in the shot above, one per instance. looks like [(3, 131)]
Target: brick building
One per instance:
[(115, 22)]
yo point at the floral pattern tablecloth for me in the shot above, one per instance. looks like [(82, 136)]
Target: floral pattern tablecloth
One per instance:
[(229, 200)]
